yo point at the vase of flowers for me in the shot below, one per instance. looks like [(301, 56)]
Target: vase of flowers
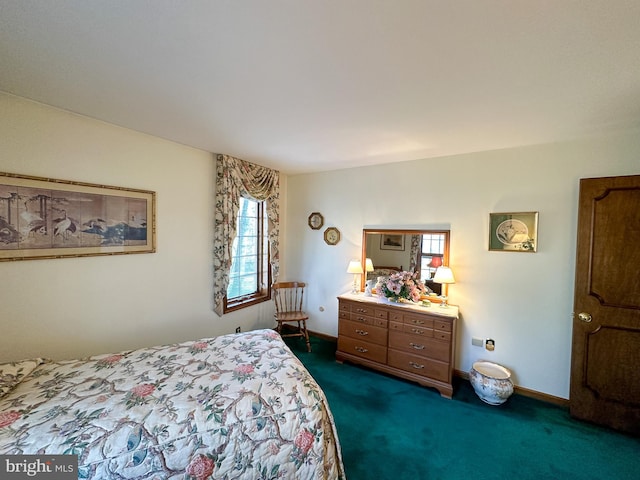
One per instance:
[(402, 286)]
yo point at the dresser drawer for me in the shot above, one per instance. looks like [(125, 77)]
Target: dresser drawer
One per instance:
[(396, 326), (344, 306), (362, 332), (360, 318), (442, 325), (419, 365), (417, 345), (364, 319), (368, 350), (381, 322), (381, 314), (419, 321), (440, 335), (421, 331), (362, 309)]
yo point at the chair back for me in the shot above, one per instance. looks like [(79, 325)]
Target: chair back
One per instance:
[(288, 296)]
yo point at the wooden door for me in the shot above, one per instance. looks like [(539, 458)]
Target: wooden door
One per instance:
[(605, 360)]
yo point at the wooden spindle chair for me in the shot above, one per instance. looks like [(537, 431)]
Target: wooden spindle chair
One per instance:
[(288, 297)]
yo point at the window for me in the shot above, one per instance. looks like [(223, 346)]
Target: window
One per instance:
[(250, 275), (432, 254)]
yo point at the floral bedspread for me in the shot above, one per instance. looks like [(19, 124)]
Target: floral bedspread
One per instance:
[(238, 406)]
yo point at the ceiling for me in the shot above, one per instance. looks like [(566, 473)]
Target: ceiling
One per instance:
[(308, 86)]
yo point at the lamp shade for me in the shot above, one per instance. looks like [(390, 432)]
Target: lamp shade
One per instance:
[(355, 267), (444, 275), (435, 262), (369, 265)]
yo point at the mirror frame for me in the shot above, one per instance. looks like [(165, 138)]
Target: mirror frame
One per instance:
[(401, 231)]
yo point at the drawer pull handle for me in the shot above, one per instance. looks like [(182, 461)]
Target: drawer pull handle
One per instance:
[(418, 322), (361, 310), (417, 330), (362, 332), (361, 319), (416, 365), (416, 346), (361, 349)]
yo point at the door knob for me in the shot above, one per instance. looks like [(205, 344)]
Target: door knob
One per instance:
[(585, 317)]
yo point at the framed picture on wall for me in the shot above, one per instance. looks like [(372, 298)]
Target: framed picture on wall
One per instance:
[(43, 218), (392, 242), (513, 232)]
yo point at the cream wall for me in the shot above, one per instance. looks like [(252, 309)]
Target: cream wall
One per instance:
[(523, 301), (72, 307), (66, 308)]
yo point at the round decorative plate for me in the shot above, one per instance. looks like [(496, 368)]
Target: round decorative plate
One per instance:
[(331, 236), (316, 220), (512, 232)]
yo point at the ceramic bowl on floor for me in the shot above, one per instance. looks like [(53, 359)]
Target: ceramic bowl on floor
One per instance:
[(491, 382)]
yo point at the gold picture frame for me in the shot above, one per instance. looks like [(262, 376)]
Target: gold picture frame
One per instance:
[(315, 221), (331, 236), (43, 218), (513, 232), (392, 241)]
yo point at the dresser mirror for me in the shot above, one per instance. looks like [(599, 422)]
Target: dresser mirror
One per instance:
[(392, 250)]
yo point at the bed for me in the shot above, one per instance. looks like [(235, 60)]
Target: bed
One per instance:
[(382, 272), (237, 406)]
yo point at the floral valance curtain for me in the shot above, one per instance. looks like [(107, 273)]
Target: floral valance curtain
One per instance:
[(237, 178)]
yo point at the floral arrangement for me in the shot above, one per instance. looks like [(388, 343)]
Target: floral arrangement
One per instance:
[(402, 285)]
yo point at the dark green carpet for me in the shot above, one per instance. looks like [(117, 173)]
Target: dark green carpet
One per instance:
[(393, 429)]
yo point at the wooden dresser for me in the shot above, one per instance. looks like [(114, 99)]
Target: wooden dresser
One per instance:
[(410, 341)]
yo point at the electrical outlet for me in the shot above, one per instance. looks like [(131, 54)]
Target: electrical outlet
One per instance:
[(238, 330), (477, 341)]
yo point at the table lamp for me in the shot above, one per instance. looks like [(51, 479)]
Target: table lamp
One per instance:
[(355, 267), (444, 276), (436, 262), (367, 283)]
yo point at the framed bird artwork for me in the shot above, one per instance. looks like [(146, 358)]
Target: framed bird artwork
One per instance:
[(48, 218)]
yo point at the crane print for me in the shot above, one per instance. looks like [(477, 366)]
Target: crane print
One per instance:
[(35, 222), (63, 226)]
